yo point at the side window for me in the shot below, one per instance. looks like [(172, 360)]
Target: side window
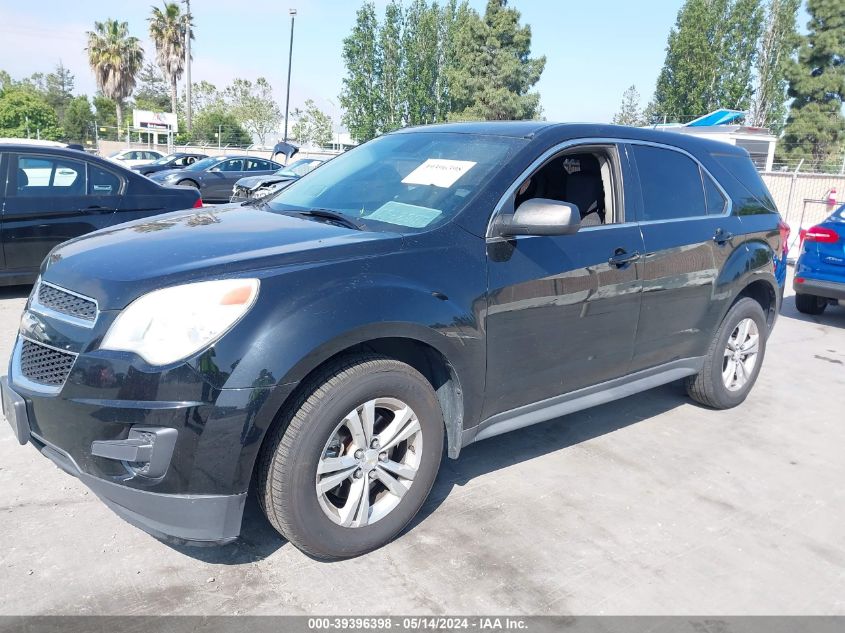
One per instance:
[(49, 176), (585, 177), (713, 198), (102, 182), (232, 165), (670, 183), (257, 165)]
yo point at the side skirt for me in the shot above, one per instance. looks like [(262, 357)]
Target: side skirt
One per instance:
[(581, 399)]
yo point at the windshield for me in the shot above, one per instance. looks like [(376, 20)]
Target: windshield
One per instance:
[(299, 168), (203, 164), (408, 181), (164, 159)]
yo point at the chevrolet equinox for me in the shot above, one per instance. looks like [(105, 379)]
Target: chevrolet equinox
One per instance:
[(431, 288)]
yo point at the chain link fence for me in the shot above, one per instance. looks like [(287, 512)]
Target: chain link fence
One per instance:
[(804, 199)]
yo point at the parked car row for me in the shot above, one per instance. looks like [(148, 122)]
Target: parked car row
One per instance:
[(216, 175)]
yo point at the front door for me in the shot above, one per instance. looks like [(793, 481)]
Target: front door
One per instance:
[(562, 310)]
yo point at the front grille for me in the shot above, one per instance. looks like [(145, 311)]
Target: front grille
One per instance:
[(45, 365), (67, 303)]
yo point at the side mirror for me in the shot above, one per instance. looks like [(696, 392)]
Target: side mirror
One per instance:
[(541, 216)]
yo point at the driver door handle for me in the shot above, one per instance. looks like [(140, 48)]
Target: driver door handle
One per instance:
[(722, 237), (622, 258)]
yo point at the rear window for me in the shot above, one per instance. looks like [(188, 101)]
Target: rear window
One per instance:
[(670, 183)]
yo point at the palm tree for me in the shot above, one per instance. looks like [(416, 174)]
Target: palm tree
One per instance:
[(115, 58), (168, 31)]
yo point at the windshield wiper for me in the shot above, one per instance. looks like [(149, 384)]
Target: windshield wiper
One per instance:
[(332, 216)]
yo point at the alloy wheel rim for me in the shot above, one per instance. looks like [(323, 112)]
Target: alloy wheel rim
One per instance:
[(741, 355), (369, 462)]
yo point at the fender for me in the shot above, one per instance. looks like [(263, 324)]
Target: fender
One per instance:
[(746, 266)]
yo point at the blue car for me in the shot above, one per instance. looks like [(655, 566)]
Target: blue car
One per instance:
[(820, 270)]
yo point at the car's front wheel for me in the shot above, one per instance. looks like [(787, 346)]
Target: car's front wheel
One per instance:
[(354, 459)]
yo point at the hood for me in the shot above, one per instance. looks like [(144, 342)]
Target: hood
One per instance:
[(116, 265), (252, 182)]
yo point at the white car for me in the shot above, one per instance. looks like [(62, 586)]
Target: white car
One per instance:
[(133, 157)]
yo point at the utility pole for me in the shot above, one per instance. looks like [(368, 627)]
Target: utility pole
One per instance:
[(290, 60), (187, 65)]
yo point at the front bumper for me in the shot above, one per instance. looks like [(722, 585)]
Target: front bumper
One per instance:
[(185, 517)]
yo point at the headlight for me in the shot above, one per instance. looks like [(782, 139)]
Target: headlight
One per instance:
[(171, 324)]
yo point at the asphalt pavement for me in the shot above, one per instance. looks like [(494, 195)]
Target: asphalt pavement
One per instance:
[(648, 505)]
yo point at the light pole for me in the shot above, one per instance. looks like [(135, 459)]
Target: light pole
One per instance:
[(290, 59), (187, 65)]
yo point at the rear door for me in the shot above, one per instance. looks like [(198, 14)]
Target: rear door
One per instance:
[(51, 199), (689, 235), (218, 182)]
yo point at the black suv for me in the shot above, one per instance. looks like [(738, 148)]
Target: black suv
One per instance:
[(437, 285)]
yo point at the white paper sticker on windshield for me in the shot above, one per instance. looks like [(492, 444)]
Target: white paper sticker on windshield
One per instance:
[(402, 214), (439, 172)]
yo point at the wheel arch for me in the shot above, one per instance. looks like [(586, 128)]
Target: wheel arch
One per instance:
[(412, 344)]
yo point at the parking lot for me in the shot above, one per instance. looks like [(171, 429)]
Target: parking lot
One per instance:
[(650, 505)]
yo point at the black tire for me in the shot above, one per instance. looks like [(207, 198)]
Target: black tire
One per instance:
[(188, 183), (287, 469), (707, 386), (810, 304)]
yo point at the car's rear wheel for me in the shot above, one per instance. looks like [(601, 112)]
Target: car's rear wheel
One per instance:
[(810, 304), (734, 358), (354, 459)]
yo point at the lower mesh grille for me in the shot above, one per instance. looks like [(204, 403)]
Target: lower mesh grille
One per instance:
[(45, 365)]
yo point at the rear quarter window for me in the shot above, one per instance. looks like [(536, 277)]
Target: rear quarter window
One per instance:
[(753, 196)]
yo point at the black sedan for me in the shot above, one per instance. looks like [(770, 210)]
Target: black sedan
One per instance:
[(51, 194), (215, 176), (178, 160), (257, 187)]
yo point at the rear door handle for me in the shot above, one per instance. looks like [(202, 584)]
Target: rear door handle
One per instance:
[(621, 258), (722, 237)]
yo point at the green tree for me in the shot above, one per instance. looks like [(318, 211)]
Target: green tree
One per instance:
[(79, 120), (815, 126), (58, 90), (710, 55), (105, 115), (208, 123), (253, 106), (26, 114), (492, 72), (389, 56), (629, 111), (115, 58), (421, 66), (151, 92), (169, 32), (313, 126), (359, 97), (777, 44)]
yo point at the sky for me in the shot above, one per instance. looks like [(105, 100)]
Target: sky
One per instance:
[(594, 50)]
